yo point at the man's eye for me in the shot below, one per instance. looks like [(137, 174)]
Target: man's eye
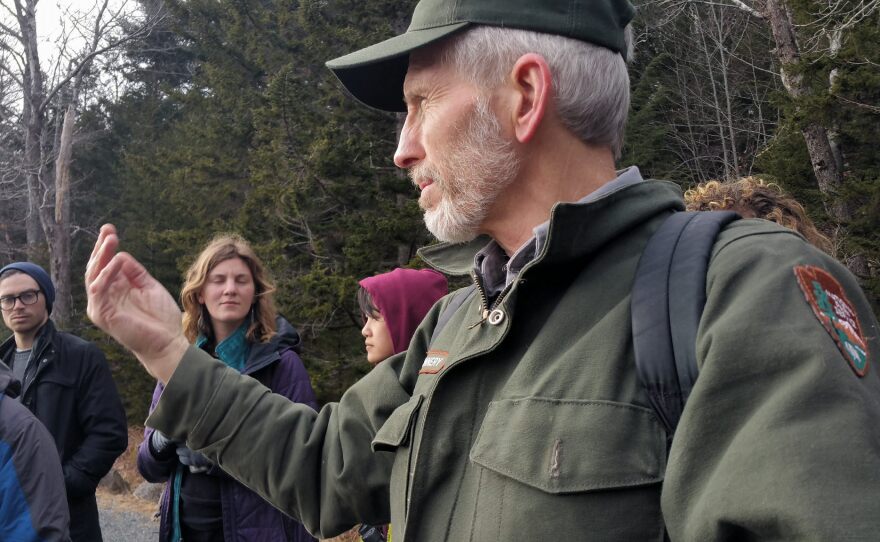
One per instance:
[(415, 103)]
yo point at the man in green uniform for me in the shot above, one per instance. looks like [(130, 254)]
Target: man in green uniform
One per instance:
[(522, 417)]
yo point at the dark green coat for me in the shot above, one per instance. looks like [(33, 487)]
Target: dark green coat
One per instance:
[(531, 425)]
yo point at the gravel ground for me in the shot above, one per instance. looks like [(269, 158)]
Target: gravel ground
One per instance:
[(127, 526)]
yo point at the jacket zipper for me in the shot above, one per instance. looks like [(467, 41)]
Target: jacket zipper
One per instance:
[(40, 360), (413, 457), (485, 309)]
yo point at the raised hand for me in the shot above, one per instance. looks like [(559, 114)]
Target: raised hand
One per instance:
[(132, 307)]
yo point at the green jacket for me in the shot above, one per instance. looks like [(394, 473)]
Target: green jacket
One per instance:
[(531, 424)]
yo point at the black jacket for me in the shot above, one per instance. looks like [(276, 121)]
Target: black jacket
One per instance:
[(69, 388)]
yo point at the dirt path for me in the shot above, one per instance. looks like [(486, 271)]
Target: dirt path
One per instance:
[(125, 518)]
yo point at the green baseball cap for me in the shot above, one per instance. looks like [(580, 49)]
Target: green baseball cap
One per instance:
[(375, 75)]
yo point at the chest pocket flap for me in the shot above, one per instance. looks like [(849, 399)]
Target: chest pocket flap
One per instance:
[(561, 446), (395, 432)]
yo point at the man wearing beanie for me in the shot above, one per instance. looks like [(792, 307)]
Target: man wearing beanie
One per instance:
[(520, 415), (66, 383)]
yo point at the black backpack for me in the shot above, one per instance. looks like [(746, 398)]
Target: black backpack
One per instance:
[(668, 295)]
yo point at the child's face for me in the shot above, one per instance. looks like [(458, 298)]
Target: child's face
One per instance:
[(377, 339)]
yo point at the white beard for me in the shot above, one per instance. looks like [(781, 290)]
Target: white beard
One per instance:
[(478, 167)]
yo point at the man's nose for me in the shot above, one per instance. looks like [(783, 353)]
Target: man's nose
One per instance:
[(409, 148), (365, 331)]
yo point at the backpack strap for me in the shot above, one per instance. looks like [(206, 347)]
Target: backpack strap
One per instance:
[(668, 296), (457, 300)]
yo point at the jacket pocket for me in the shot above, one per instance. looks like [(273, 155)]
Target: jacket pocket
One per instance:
[(568, 446), (590, 470), (57, 379), (396, 430), (396, 435), (52, 393)]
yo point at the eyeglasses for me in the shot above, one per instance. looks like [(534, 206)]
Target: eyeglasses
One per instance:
[(28, 297)]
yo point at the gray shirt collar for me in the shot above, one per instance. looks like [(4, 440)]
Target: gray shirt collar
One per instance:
[(497, 270)]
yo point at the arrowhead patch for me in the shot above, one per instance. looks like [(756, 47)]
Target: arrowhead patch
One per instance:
[(828, 300)]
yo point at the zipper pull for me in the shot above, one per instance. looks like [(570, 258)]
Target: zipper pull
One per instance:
[(484, 300), (484, 315)]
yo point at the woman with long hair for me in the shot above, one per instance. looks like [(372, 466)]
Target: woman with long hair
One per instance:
[(228, 311)]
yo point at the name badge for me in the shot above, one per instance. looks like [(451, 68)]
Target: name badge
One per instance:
[(434, 362)]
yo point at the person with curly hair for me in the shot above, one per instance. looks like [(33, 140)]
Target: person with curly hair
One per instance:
[(752, 197)]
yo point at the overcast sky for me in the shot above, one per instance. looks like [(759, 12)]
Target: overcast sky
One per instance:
[(53, 20)]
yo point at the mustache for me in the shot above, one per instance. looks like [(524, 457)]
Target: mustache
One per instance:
[(423, 171)]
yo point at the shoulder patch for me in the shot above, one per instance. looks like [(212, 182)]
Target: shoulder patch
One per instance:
[(836, 313)]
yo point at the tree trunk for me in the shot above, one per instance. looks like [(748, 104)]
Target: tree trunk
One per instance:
[(722, 60), (826, 166), (58, 231), (32, 117), (32, 160), (699, 25)]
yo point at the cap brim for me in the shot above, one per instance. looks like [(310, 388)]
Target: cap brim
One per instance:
[(375, 75)]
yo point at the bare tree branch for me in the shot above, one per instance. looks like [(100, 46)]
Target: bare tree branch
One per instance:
[(83, 63), (10, 31)]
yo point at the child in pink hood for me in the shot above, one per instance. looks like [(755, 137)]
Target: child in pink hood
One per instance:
[(393, 305)]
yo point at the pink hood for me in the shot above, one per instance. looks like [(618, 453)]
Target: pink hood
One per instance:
[(404, 297)]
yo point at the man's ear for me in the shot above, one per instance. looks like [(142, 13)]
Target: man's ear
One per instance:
[(532, 84)]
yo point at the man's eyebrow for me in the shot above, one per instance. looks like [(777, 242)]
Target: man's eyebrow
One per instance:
[(409, 93), (412, 89), (13, 294)]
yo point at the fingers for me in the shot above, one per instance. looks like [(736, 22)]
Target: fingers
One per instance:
[(98, 289), (103, 251), (134, 271), (121, 266), (106, 229)]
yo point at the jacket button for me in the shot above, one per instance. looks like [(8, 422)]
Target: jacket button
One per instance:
[(496, 317)]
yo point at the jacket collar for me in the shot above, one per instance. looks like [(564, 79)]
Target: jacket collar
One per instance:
[(575, 230), (45, 336), (264, 354)]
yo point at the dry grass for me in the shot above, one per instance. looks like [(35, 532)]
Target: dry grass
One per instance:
[(350, 536)]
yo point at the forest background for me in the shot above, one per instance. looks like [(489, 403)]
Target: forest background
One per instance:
[(179, 119)]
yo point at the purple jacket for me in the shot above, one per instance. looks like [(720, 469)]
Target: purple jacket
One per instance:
[(246, 516)]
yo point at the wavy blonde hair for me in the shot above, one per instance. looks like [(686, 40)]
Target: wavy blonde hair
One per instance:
[(196, 320), (751, 197)]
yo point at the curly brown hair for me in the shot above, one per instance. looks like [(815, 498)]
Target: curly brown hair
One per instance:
[(196, 320), (751, 197)]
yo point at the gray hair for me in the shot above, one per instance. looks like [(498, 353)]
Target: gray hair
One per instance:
[(590, 82)]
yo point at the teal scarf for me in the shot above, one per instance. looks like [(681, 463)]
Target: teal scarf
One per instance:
[(233, 351)]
